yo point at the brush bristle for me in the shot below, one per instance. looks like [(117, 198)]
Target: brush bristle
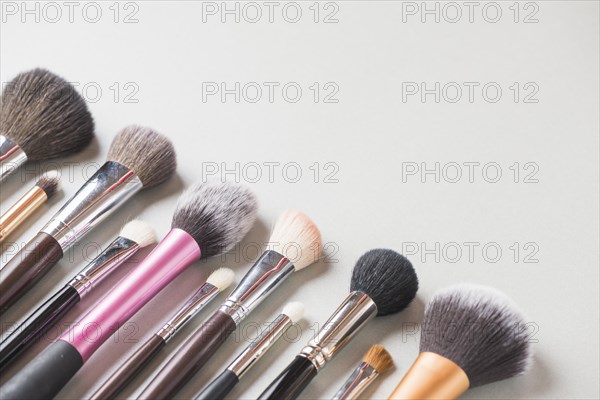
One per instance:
[(222, 278), (379, 358), (144, 151), (140, 232), (49, 183), (216, 214), (294, 310), (479, 329), (44, 115), (387, 277), (297, 237)]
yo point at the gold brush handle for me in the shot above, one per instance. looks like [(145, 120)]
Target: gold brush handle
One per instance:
[(22, 209)]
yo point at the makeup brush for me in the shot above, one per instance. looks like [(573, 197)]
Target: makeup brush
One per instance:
[(210, 218), (138, 158), (41, 116), (45, 188), (134, 236), (294, 232), (383, 282), (374, 363), (226, 381), (216, 283), (470, 336)]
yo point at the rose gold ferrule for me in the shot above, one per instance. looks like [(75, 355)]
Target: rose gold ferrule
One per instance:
[(431, 377), (22, 209)]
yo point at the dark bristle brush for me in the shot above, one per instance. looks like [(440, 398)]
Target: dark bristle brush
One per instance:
[(138, 158), (134, 236), (41, 117), (210, 218), (470, 336), (383, 282)]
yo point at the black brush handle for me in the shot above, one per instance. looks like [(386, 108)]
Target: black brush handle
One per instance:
[(45, 375), (292, 381), (129, 369), (37, 324), (220, 386), (27, 267)]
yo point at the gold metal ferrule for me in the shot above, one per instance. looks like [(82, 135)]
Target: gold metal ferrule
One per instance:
[(22, 209)]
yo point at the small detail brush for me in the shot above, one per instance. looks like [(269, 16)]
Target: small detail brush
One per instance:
[(138, 158), (41, 116), (293, 230), (376, 362), (134, 236), (226, 381), (118, 380), (45, 188), (383, 282), (210, 218), (471, 336)]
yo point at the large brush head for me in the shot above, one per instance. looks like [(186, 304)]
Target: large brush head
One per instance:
[(49, 183), (217, 215), (479, 329), (144, 151), (297, 237), (387, 277), (44, 115)]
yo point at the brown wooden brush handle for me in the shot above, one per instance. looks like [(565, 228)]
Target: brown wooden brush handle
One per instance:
[(27, 267), (190, 357)]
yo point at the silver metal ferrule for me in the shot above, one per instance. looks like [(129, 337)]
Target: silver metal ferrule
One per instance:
[(260, 345), (197, 302), (361, 377), (11, 157), (265, 275), (103, 193), (119, 251), (346, 321)]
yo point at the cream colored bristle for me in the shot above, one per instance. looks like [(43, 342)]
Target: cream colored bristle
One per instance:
[(140, 232), (221, 278), (297, 237), (379, 358)]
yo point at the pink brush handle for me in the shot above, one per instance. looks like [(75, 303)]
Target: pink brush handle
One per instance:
[(170, 257)]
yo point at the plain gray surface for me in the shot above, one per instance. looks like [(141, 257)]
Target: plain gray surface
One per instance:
[(361, 160)]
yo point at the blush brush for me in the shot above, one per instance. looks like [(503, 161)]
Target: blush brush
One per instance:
[(210, 218), (383, 282), (138, 158)]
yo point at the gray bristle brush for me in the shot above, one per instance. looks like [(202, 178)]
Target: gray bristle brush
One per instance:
[(471, 336), (41, 117)]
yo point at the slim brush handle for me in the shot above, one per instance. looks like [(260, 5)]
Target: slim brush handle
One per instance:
[(190, 357), (27, 267), (45, 375), (129, 369), (36, 325), (220, 386), (292, 381)]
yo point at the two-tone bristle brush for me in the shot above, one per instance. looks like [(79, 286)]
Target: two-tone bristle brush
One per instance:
[(41, 117), (293, 230), (383, 282), (215, 284), (45, 188), (470, 336), (134, 236), (138, 158), (377, 361), (226, 381), (210, 218)]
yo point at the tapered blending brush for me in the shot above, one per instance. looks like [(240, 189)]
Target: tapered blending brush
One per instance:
[(41, 116), (226, 381), (210, 218), (470, 336), (138, 158), (374, 363), (293, 230), (216, 283), (134, 236), (45, 188), (383, 282)]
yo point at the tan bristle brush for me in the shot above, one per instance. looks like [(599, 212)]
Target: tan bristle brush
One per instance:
[(374, 363), (45, 188)]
